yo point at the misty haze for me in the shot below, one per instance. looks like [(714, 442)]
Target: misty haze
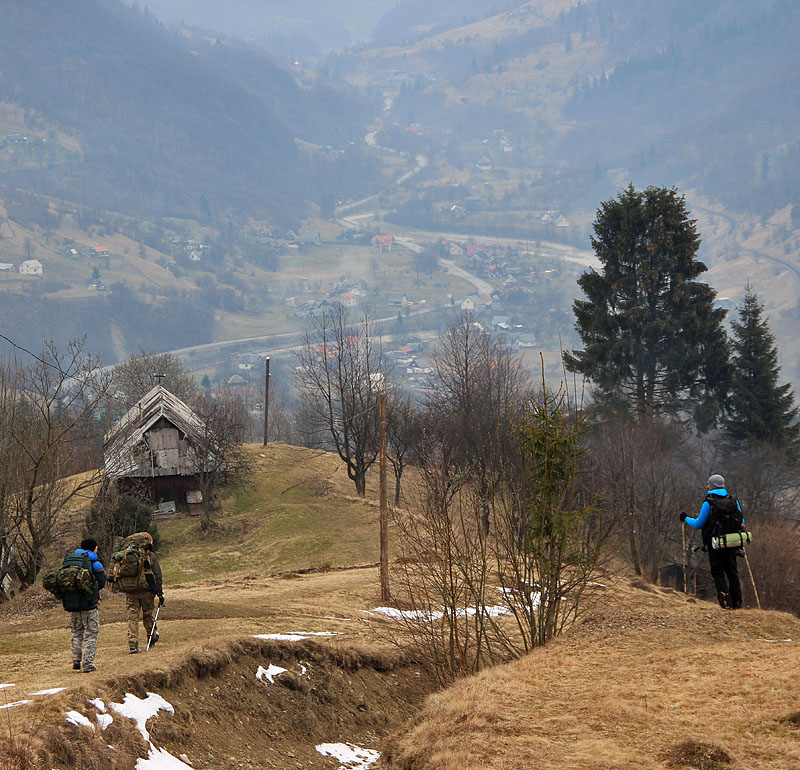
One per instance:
[(416, 337)]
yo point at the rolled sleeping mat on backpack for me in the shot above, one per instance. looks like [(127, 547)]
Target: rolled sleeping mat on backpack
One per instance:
[(731, 540)]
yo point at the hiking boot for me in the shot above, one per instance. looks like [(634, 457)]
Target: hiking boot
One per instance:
[(76, 665), (89, 668), (155, 638), (133, 650)]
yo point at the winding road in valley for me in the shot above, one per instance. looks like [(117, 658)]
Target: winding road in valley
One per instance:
[(736, 245)]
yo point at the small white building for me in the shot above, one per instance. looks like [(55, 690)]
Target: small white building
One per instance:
[(473, 302), (30, 267), (6, 265)]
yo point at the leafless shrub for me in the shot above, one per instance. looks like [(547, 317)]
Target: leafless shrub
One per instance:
[(472, 597)]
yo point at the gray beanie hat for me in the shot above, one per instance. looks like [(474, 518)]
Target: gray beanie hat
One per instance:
[(716, 481)]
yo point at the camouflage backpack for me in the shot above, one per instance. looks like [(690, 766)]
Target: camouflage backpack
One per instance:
[(131, 563), (73, 582)]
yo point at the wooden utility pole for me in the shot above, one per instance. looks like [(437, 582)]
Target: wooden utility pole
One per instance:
[(385, 596), (266, 402)]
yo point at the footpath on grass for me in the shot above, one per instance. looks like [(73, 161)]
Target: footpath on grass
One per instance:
[(273, 672), (286, 672)]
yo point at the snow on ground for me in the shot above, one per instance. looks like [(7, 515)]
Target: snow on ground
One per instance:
[(15, 703), (51, 691), (424, 615), (140, 710), (104, 720), (3, 686), (269, 673), (352, 757), (76, 718), (159, 759), (296, 636), (98, 704)]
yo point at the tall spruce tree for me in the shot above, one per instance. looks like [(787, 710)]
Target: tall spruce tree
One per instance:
[(760, 410), (653, 339)]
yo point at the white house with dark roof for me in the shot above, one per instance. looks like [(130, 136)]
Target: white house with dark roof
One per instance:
[(31, 267)]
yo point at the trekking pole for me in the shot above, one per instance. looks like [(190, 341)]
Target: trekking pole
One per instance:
[(153, 629), (683, 540), (755, 590)]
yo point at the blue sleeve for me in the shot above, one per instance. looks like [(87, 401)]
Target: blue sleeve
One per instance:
[(99, 572), (700, 521)]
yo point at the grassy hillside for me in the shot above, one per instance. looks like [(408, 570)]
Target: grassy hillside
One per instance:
[(650, 679)]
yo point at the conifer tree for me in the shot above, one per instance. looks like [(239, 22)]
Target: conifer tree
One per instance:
[(653, 339), (760, 410)]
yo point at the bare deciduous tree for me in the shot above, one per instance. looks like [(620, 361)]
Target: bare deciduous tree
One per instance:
[(50, 433), (341, 375), (478, 597), (219, 456), (645, 474), (137, 375), (404, 431), (477, 389)]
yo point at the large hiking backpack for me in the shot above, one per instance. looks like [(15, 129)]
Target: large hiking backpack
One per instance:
[(131, 563), (73, 582), (725, 525)]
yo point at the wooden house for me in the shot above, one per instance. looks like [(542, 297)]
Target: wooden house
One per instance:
[(155, 447)]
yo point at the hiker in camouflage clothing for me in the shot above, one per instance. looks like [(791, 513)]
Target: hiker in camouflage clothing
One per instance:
[(85, 617), (145, 600)]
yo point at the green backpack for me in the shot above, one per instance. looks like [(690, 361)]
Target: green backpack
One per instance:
[(131, 564), (73, 582)]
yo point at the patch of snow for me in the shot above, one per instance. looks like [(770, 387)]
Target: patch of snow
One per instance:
[(51, 691), (141, 709), (15, 703), (330, 617), (78, 719), (159, 759), (430, 617), (303, 670), (776, 641), (296, 636), (269, 673), (98, 704), (3, 686), (104, 720), (352, 757)]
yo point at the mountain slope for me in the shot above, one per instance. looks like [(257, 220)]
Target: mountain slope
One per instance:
[(162, 128), (689, 94)]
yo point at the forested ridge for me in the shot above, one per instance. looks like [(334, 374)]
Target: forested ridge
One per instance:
[(166, 123)]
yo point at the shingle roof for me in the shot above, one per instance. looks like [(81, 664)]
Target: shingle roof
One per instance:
[(121, 442)]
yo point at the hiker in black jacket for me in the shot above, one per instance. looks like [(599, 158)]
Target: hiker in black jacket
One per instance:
[(724, 569), (84, 616)]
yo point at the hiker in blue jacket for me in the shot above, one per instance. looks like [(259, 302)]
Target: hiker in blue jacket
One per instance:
[(84, 615), (722, 561)]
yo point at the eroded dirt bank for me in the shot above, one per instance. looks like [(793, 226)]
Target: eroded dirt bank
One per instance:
[(225, 717)]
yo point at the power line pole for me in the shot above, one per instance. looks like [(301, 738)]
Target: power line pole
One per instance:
[(266, 401), (384, 516)]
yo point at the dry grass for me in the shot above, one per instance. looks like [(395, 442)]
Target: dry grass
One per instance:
[(644, 682), (648, 679)]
